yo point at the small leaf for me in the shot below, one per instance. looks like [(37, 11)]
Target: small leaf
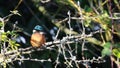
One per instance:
[(87, 22), (13, 44), (108, 35), (17, 44), (116, 52), (8, 32), (4, 36), (107, 45), (94, 41), (106, 52), (1, 24)]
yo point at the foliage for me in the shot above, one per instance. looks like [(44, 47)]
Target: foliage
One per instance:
[(7, 41)]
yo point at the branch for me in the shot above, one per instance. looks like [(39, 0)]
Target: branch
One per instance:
[(12, 55)]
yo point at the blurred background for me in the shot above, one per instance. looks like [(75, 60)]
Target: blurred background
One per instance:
[(53, 16)]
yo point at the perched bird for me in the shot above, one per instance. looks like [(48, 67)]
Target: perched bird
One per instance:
[(38, 37)]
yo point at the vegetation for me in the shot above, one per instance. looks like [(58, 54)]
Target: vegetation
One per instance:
[(79, 33)]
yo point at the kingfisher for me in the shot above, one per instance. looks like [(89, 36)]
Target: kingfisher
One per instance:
[(38, 37)]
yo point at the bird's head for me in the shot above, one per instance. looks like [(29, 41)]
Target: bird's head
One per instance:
[(39, 29)]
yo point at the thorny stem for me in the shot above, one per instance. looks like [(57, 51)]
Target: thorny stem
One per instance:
[(110, 11)]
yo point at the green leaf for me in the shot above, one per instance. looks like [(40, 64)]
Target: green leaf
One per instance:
[(106, 52), (4, 37), (116, 52), (107, 45), (17, 44), (87, 22), (94, 41), (13, 44), (108, 35), (1, 24), (106, 49)]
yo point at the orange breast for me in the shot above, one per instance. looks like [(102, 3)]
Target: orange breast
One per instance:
[(37, 39)]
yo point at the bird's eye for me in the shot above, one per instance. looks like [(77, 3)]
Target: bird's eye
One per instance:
[(34, 31)]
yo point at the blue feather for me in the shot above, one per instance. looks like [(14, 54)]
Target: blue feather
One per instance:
[(37, 27)]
